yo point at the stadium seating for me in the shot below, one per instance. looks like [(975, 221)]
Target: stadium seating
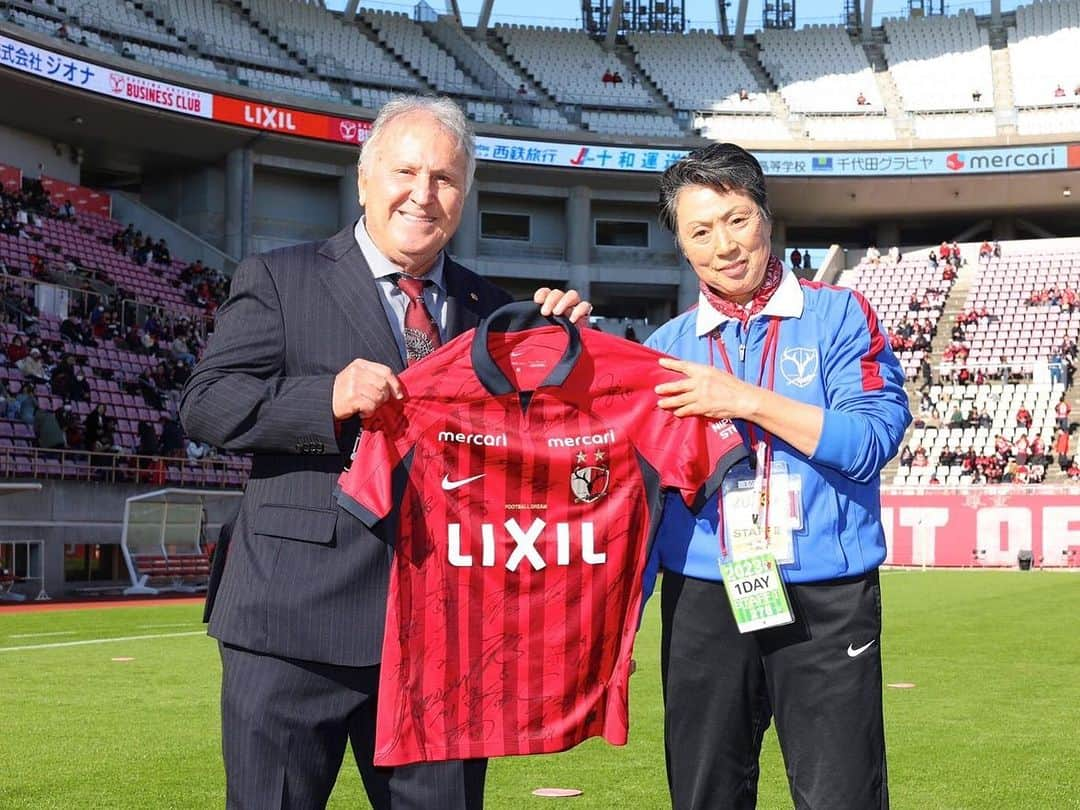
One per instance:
[(739, 128), (1027, 334), (938, 63), (696, 71), (1043, 50), (171, 60), (570, 66), (219, 30), (1001, 402), (398, 33), (889, 289), (122, 17), (288, 83), (849, 128), (637, 124), (946, 126), (336, 49), (819, 69)]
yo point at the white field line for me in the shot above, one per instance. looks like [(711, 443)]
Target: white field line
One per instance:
[(85, 642), (159, 626), (41, 635)]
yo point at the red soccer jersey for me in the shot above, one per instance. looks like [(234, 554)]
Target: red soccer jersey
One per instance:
[(520, 482)]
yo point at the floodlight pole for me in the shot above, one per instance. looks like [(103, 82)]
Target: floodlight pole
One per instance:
[(868, 21), (480, 32), (613, 24), (740, 25)]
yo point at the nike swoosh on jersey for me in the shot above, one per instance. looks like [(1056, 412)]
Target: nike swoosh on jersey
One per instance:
[(854, 651), (449, 485)]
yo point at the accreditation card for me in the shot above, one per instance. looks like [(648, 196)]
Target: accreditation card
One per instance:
[(756, 592)]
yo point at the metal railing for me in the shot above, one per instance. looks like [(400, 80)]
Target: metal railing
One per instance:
[(84, 465)]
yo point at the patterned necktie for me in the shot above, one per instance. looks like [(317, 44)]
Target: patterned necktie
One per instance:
[(421, 331)]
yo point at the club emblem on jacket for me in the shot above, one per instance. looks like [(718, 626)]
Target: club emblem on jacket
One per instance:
[(589, 482), (799, 365)]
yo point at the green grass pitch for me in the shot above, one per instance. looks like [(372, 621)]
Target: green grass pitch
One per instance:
[(993, 720)]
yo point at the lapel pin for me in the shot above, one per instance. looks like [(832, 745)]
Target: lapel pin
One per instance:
[(474, 296)]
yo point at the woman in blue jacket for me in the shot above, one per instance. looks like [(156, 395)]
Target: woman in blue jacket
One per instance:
[(808, 375)]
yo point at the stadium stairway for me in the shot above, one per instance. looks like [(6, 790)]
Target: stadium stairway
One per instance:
[(625, 55), (890, 95), (750, 54), (952, 306), (1001, 70)]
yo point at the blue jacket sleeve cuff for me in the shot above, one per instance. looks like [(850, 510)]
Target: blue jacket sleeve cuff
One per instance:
[(841, 440)]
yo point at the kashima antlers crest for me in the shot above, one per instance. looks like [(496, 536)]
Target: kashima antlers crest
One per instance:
[(589, 482)]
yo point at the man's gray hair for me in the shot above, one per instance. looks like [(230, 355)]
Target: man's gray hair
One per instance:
[(442, 109), (721, 166)]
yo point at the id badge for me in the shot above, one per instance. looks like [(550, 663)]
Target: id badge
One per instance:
[(745, 503), (756, 592)]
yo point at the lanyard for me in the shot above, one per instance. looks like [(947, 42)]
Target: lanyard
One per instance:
[(762, 448)]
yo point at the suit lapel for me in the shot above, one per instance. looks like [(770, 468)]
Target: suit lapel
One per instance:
[(353, 289), (462, 299)]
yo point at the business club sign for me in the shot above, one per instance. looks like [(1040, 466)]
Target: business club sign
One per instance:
[(280, 119)]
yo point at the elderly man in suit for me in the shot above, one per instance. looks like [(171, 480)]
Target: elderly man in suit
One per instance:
[(309, 343)]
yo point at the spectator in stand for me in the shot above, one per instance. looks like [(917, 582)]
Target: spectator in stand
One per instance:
[(956, 420), (67, 211), (976, 95), (69, 423), (197, 451), (62, 379), (1061, 413), (920, 459), (161, 252), (861, 99), (149, 389), (894, 255), (945, 252), (932, 260), (744, 94), (985, 420), (149, 444), (607, 78), (172, 437), (873, 255), (31, 366), (1059, 91), (521, 91), (1021, 448), (997, 249), (47, 430), (17, 350), (954, 254), (1023, 418), (1057, 370), (1061, 448), (926, 372), (26, 404), (93, 426), (985, 252), (796, 259), (906, 456), (1004, 369), (80, 388), (181, 351), (616, 78)]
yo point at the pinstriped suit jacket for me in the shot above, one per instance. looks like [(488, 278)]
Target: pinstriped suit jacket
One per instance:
[(302, 579)]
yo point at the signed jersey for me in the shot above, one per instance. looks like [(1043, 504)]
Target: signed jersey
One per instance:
[(520, 483)]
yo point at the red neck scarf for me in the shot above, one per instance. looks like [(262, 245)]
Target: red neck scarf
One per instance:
[(774, 271)]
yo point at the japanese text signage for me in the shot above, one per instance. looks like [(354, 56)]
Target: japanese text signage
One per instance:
[(253, 114)]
